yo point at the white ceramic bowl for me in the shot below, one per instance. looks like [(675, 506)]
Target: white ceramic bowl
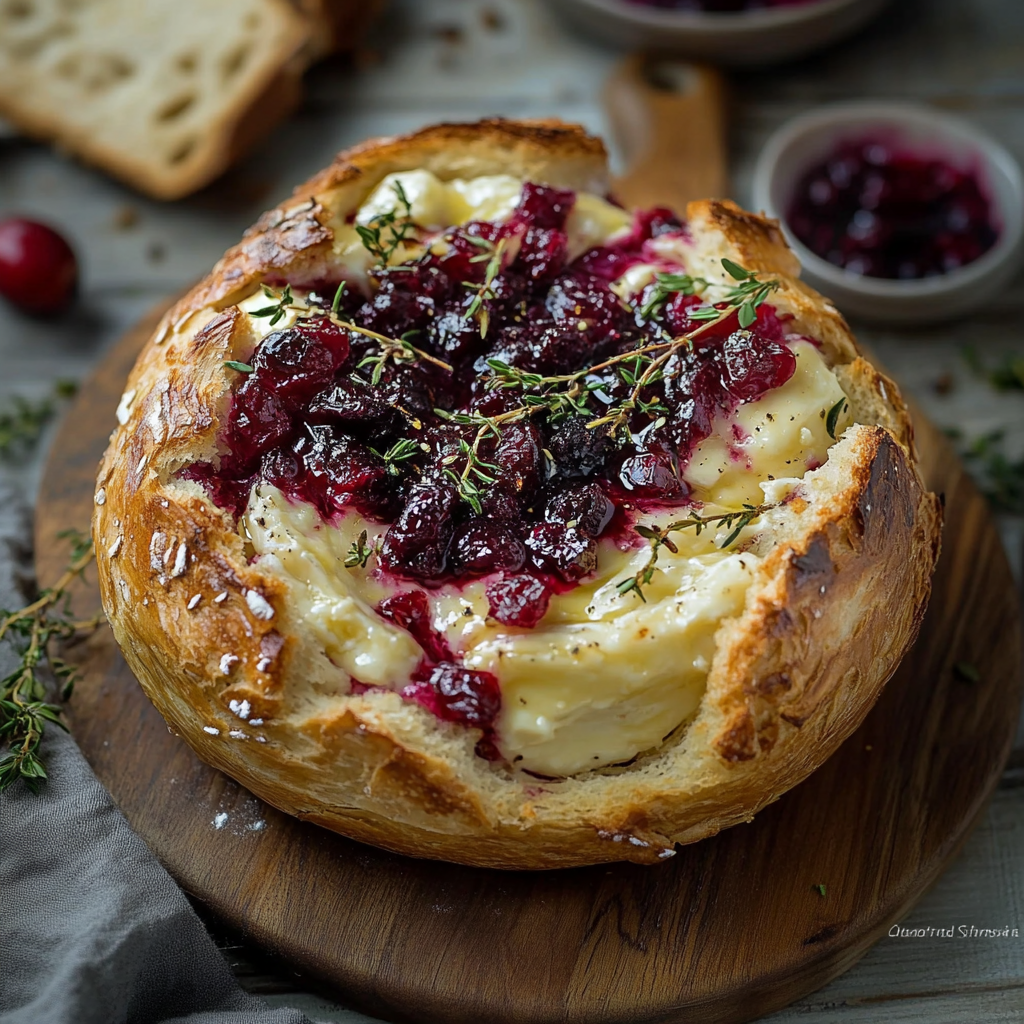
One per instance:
[(742, 39), (807, 140)]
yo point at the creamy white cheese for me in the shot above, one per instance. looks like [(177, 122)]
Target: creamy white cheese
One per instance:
[(604, 676)]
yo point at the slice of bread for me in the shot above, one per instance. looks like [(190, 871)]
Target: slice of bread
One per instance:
[(164, 96)]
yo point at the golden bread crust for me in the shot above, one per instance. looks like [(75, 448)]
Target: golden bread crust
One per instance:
[(830, 613)]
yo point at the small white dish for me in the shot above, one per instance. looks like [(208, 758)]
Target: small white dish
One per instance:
[(807, 140), (743, 39)]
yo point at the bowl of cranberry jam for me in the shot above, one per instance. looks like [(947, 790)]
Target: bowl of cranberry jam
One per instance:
[(898, 213), (727, 32)]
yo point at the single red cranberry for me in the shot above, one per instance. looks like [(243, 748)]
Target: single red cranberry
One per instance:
[(753, 365), (562, 549), (520, 600), (458, 694), (410, 609), (586, 506), (416, 545), (652, 473), (482, 546), (38, 270)]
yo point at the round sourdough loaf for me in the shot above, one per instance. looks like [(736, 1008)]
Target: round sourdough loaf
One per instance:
[(212, 635)]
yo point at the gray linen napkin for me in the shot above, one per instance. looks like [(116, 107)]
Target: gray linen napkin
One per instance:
[(92, 929)]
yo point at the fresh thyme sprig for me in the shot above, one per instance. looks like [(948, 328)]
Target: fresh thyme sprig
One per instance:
[(401, 451), (667, 285), (276, 310), (398, 349), (22, 423), (360, 552), (24, 710), (475, 471), (397, 225), (658, 537), (485, 291)]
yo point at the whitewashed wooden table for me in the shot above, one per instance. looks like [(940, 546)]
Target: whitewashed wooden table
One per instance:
[(461, 59)]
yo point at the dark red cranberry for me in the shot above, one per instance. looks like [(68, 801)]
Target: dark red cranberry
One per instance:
[(558, 548), (652, 223), (411, 610), (543, 206), (588, 305), (405, 299), (337, 472), (586, 506), (293, 365), (519, 458), (578, 451), (520, 600), (453, 334), (329, 335), (356, 407), (457, 694), (482, 546), (416, 545), (752, 366), (652, 473), (542, 253), (38, 270), (259, 420)]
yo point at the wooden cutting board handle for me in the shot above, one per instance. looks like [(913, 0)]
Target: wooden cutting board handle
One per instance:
[(668, 117)]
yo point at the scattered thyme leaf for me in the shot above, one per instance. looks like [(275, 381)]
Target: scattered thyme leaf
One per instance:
[(659, 537), (336, 304), (397, 225), (820, 889), (24, 710), (277, 310), (832, 419), (360, 552), (234, 364)]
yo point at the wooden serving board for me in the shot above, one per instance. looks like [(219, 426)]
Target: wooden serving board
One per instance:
[(729, 929)]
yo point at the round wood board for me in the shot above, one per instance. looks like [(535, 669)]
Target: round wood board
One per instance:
[(729, 929)]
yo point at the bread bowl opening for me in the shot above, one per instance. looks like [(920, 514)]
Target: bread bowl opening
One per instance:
[(517, 454)]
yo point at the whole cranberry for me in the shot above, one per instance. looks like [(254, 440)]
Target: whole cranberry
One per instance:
[(38, 269)]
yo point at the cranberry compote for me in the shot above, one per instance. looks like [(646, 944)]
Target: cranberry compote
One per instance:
[(452, 433), (877, 210)]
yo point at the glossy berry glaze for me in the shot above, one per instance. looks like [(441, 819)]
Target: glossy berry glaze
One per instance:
[(38, 270), (310, 420), (883, 212)]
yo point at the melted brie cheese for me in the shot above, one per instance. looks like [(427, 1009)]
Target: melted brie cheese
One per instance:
[(604, 676), (437, 205)]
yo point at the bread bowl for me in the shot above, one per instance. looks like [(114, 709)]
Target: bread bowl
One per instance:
[(443, 634)]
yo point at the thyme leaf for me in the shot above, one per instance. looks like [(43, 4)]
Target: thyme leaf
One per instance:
[(659, 537), (234, 364), (397, 226), (277, 310), (360, 552), (24, 709), (832, 419)]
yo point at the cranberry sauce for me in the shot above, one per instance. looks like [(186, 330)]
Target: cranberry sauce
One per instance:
[(877, 210), (327, 418)]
